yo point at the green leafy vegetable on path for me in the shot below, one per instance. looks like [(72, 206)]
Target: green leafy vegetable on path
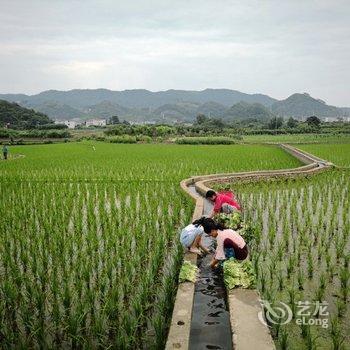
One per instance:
[(238, 274), (188, 272)]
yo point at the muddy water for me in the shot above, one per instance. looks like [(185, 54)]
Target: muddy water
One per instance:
[(210, 325)]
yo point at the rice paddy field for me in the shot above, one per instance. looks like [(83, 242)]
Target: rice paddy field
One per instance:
[(298, 138), (89, 252), (339, 154), (301, 252)]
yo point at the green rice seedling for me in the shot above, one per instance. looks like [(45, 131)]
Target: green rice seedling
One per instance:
[(263, 283), (340, 246), (256, 265), (272, 271), (341, 307), (272, 238), (346, 231), (320, 252), (280, 251), (283, 339), (270, 295), (281, 280), (302, 237), (323, 282), (290, 266), (328, 259), (323, 240), (336, 334), (344, 282), (310, 264), (311, 341), (286, 236), (305, 329), (275, 327), (301, 279), (331, 272), (270, 283), (319, 294), (257, 238), (298, 256), (292, 294), (264, 254)]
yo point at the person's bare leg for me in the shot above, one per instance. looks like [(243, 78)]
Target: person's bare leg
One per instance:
[(195, 244), (201, 246)]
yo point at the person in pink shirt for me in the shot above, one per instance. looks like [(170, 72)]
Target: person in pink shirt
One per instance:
[(230, 244), (224, 202)]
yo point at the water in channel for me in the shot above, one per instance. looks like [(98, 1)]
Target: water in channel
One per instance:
[(210, 325)]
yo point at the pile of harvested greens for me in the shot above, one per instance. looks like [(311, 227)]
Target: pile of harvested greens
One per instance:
[(235, 222), (188, 272), (239, 274)]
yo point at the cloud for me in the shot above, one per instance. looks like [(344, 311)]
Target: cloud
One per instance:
[(78, 67), (272, 47)]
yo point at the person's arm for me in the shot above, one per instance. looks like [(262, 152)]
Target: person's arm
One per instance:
[(217, 206), (197, 243), (213, 263), (236, 204), (219, 253), (205, 249)]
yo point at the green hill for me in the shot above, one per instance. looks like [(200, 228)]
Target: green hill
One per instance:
[(303, 105), (58, 111), (106, 109), (15, 116), (248, 111), (181, 111), (212, 109)]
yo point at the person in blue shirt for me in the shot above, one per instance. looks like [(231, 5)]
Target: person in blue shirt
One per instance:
[(5, 151)]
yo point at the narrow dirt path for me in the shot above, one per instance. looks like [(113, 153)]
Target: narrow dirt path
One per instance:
[(11, 157)]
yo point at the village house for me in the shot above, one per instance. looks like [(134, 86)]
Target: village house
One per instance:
[(95, 122)]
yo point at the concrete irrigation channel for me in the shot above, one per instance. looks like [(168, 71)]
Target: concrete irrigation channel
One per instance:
[(234, 325), (210, 324)]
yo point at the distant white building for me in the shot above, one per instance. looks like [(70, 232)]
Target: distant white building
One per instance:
[(96, 122), (337, 119), (71, 124)]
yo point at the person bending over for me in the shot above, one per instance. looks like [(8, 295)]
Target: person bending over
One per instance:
[(191, 237), (230, 244), (224, 202)]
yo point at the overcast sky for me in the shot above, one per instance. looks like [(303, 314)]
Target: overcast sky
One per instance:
[(272, 47)]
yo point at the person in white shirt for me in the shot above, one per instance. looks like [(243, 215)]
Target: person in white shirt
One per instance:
[(191, 237)]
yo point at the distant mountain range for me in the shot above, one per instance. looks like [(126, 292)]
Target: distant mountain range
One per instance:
[(171, 105)]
